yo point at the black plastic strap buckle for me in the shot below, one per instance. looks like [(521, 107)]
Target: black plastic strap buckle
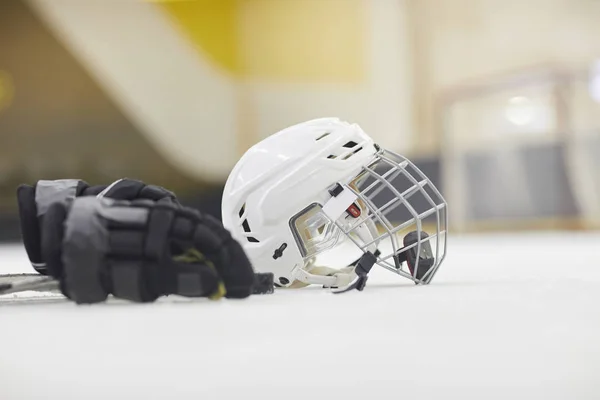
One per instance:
[(362, 269)]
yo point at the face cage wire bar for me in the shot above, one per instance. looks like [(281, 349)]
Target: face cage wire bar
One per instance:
[(379, 214)]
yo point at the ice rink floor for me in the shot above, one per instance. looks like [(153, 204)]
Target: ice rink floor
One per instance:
[(512, 316)]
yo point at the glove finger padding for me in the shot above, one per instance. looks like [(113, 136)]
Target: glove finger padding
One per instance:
[(30, 230), (34, 202), (216, 243), (130, 189), (139, 251)]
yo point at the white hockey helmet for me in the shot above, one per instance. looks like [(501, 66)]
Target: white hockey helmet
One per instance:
[(310, 187)]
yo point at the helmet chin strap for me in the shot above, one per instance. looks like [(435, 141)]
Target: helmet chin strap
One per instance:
[(366, 232), (325, 276), (347, 278), (341, 207)]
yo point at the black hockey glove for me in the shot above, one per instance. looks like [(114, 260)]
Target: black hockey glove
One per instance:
[(35, 200), (141, 250)]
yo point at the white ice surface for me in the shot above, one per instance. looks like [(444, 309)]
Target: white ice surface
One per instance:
[(513, 316)]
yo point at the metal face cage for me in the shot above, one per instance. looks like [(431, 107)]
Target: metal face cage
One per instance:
[(410, 215), (397, 214)]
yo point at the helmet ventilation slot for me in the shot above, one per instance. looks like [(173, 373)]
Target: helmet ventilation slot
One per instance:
[(351, 154), (347, 156), (246, 225), (322, 136)]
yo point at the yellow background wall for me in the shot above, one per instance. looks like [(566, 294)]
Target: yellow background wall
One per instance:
[(211, 26), (301, 59), (309, 41)]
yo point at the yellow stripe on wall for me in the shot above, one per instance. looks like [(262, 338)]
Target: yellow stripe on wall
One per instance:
[(211, 26), (278, 40), (307, 40)]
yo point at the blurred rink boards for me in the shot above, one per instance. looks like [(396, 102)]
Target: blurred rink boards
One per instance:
[(523, 151), (505, 121)]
